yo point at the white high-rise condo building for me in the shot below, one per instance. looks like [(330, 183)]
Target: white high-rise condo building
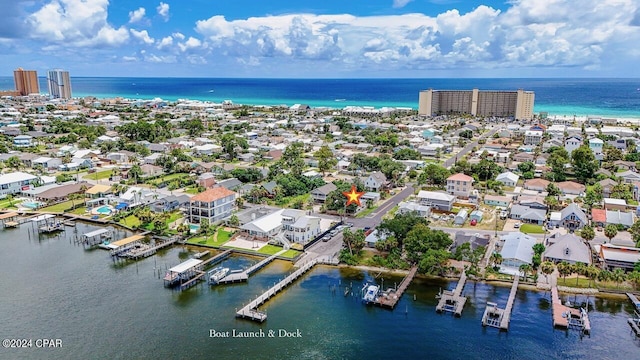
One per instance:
[(59, 84), (517, 104)]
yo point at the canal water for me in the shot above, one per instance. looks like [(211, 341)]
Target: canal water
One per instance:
[(52, 288)]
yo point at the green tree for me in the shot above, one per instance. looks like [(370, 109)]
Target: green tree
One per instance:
[(14, 162), (547, 268), (353, 241), (400, 225), (610, 231), (421, 238), (135, 173), (591, 272), (553, 190), (634, 277), (525, 269), (326, 159), (618, 276), (433, 262), (527, 166), (584, 163), (292, 158), (434, 174), (230, 143), (558, 160), (593, 195), (587, 233), (580, 269), (495, 259), (564, 269)]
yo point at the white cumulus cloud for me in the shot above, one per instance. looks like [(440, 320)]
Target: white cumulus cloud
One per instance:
[(76, 23), (400, 3), (165, 42), (163, 10), (136, 15), (142, 35)]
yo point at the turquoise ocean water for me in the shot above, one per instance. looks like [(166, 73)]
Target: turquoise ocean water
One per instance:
[(581, 97)]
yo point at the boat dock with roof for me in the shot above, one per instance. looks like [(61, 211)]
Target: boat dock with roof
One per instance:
[(47, 223), (96, 237), (500, 318), (634, 322), (8, 220), (453, 301), (189, 272)]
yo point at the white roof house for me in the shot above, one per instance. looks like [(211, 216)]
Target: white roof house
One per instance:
[(517, 250), (569, 248), (508, 178), (264, 226)]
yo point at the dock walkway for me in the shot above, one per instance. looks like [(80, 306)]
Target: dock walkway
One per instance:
[(453, 301), (147, 250), (497, 317), (251, 312), (566, 317), (390, 298), (241, 276)]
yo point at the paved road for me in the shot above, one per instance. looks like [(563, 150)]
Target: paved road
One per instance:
[(465, 150)]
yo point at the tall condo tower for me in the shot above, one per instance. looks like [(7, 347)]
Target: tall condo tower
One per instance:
[(26, 81), (59, 84), (501, 103)]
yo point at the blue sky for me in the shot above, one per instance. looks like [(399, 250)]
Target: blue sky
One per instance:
[(329, 38)]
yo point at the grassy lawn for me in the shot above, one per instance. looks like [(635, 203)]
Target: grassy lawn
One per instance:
[(131, 221), (531, 229), (207, 241), (272, 249), (191, 190), (174, 216), (223, 235), (366, 212), (79, 211), (61, 207), (99, 175), (8, 203), (168, 178), (583, 283)]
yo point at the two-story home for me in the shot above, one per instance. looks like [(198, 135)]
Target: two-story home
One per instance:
[(436, 199), (15, 182), (460, 185), (572, 143), (320, 194), (213, 205), (572, 217), (533, 137), (596, 146), (375, 182), (299, 227)]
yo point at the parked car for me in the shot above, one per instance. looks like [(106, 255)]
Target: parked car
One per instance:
[(366, 228), (473, 222), (516, 225), (326, 238)]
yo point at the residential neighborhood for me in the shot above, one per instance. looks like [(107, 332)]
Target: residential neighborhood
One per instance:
[(278, 174)]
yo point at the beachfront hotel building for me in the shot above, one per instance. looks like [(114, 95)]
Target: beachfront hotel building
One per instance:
[(501, 103), (26, 82), (59, 84)]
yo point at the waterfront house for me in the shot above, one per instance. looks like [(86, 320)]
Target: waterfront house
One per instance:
[(573, 217), (436, 199), (475, 240), (516, 250), (569, 248), (319, 195), (15, 182), (460, 185), (375, 236), (618, 257), (169, 203), (265, 226), (213, 205), (299, 227), (508, 178)]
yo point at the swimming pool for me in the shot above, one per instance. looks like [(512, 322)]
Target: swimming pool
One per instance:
[(31, 204), (104, 210), (193, 228)]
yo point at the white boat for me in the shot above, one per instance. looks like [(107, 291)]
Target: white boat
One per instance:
[(217, 274), (371, 293)]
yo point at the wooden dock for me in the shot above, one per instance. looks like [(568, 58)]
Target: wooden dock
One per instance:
[(634, 300), (240, 276), (500, 318), (453, 301), (251, 312), (566, 317), (8, 220), (389, 299), (144, 250)]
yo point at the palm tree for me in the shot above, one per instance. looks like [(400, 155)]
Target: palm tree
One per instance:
[(618, 276), (591, 272), (525, 269), (547, 269), (564, 268), (495, 259), (604, 275), (579, 269), (634, 277), (610, 231)]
